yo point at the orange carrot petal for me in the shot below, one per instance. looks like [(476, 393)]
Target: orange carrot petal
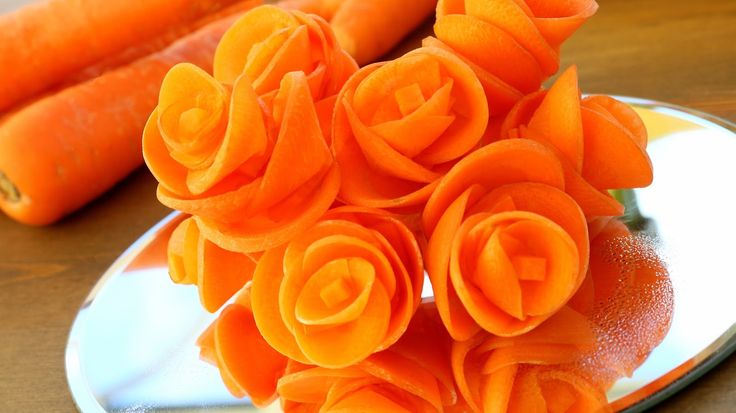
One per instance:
[(248, 365), (218, 273)]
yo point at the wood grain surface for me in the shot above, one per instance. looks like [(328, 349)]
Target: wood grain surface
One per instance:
[(680, 51)]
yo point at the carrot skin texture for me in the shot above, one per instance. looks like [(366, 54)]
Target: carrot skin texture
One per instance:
[(43, 43), (369, 29), (64, 150)]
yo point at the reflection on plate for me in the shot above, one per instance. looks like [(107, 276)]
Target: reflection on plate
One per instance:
[(131, 348)]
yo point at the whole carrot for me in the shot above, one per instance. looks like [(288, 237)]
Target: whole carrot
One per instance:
[(43, 43), (60, 152), (369, 29)]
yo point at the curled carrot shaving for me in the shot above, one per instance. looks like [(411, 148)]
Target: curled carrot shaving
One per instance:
[(601, 142), (247, 364), (218, 155), (398, 126), (217, 273), (340, 291), (507, 247), (513, 45)]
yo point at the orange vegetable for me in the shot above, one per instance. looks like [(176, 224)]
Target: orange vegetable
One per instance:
[(399, 126), (217, 273), (268, 42), (323, 8), (601, 142), (369, 29), (513, 45), (534, 372), (632, 299), (253, 180), (64, 150), (43, 43), (248, 366), (507, 247), (412, 379), (340, 291)]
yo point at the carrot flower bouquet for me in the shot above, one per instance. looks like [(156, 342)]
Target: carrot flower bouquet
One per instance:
[(321, 197)]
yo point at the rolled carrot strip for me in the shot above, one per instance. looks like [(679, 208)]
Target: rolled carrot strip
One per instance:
[(217, 273), (43, 43), (64, 150), (398, 127), (340, 291), (369, 29)]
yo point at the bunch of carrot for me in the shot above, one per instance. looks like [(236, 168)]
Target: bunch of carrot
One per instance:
[(318, 193), (81, 76)]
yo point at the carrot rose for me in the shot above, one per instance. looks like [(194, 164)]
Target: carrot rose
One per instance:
[(341, 290), (508, 248), (601, 142), (534, 372), (412, 376), (268, 42), (248, 365), (631, 298), (252, 178), (512, 45), (399, 125)]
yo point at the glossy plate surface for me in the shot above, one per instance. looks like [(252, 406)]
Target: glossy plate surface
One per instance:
[(131, 347)]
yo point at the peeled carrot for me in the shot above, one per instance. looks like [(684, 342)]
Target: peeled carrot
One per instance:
[(369, 29), (64, 150), (323, 8), (42, 43)]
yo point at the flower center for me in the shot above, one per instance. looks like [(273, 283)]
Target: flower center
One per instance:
[(337, 293)]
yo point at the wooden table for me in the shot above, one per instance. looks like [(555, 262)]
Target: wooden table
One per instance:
[(679, 51)]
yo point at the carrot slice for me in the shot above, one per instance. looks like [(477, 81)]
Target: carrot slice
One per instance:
[(248, 365), (218, 273)]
